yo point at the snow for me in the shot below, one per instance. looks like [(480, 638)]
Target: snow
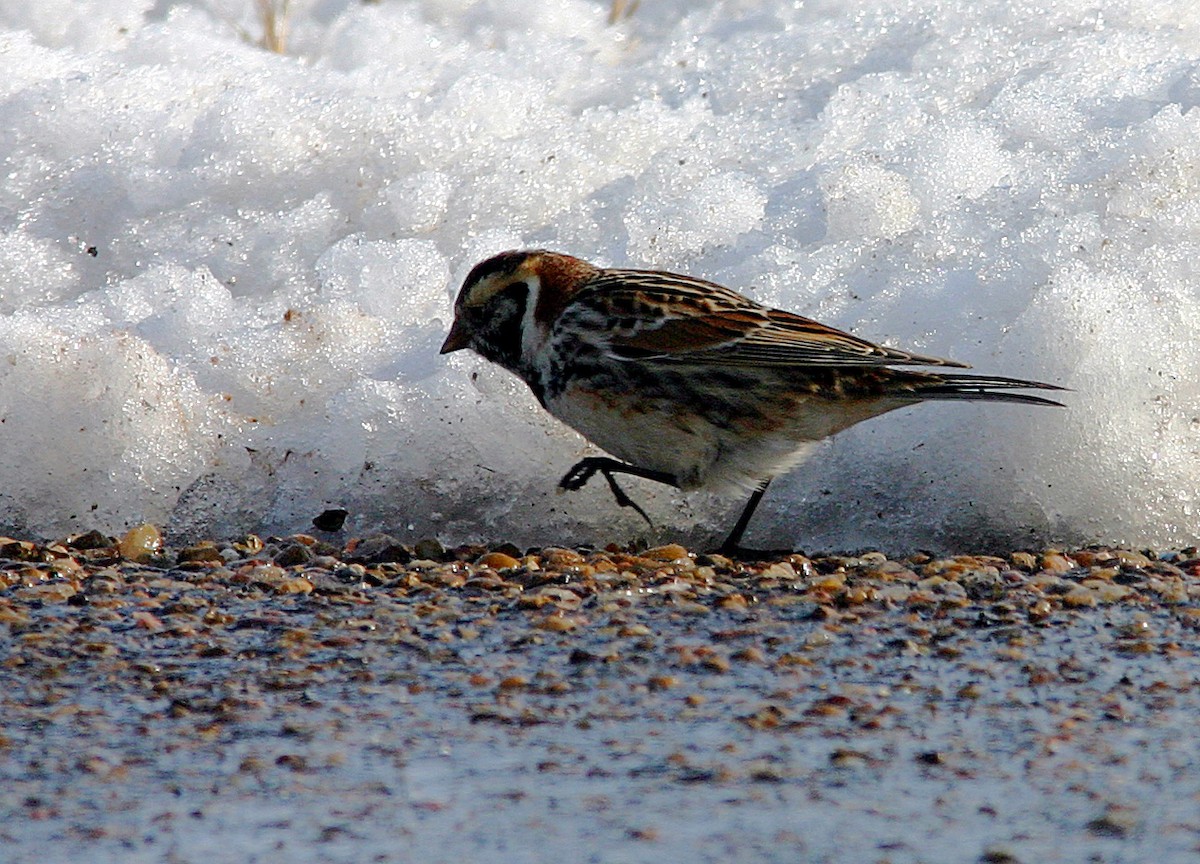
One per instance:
[(225, 273)]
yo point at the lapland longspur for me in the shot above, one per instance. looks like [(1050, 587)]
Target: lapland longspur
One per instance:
[(684, 381)]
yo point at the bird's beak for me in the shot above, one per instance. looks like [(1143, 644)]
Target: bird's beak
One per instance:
[(457, 339)]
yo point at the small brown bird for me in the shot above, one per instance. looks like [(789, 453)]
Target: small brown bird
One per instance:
[(684, 381)]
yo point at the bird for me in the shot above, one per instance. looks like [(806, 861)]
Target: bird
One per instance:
[(686, 382)]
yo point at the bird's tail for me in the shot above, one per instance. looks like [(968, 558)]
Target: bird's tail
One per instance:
[(991, 388), (985, 387)]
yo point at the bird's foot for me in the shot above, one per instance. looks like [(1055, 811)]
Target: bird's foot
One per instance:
[(580, 473), (585, 469)]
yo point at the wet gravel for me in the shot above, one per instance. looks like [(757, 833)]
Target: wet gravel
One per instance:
[(373, 701)]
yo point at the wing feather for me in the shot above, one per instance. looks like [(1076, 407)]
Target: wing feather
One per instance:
[(670, 318)]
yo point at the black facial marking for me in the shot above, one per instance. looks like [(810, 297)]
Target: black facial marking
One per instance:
[(497, 326)]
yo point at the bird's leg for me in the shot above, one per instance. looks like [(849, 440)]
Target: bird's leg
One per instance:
[(583, 471), (732, 544)]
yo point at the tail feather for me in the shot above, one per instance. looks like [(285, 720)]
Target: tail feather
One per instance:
[(986, 387)]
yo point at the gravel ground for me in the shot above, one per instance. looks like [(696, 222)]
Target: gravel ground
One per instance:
[(259, 700)]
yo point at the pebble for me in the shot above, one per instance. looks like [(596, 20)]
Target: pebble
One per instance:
[(140, 543), (496, 629)]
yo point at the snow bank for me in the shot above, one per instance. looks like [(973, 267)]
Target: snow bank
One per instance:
[(225, 273)]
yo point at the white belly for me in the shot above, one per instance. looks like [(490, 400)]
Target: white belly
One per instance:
[(660, 436)]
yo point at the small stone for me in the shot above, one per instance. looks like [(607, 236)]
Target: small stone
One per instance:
[(579, 657), (1131, 559), (1080, 597), (557, 623), (670, 552), (555, 558), (293, 761), (498, 561), (200, 553), (381, 549), (998, 855), (19, 550), (330, 520), (858, 595), (844, 757), (88, 540), (1117, 821), (294, 585), (1107, 592), (715, 663), (1023, 561), (430, 549), (249, 545), (550, 595), (293, 554), (47, 592), (818, 639), (784, 572), (1056, 562), (749, 654)]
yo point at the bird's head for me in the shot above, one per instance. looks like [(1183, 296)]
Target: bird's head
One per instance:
[(508, 303)]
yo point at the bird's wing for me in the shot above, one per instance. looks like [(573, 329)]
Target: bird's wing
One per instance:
[(664, 317)]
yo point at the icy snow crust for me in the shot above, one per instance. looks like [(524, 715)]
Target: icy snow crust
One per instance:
[(225, 274)]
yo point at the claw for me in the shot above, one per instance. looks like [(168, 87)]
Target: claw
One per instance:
[(579, 475)]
